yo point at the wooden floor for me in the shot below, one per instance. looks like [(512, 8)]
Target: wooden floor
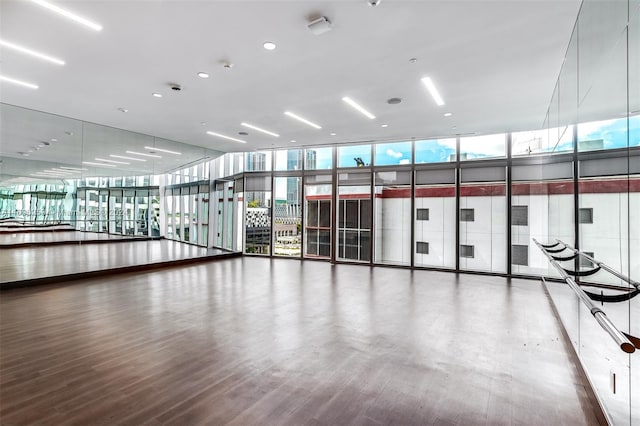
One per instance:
[(34, 263), (274, 342), (13, 240)]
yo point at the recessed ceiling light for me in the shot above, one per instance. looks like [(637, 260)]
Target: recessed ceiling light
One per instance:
[(157, 95), (30, 52), (432, 89), (162, 150), (251, 126), (111, 161), (356, 106), (70, 15), (143, 154), (68, 133), (203, 75), (293, 141), (243, 133), (269, 45), (126, 158), (333, 134), (225, 137), (54, 140), (302, 120), (384, 125), (18, 82), (98, 164), (413, 60), (123, 110), (394, 101), (448, 114)]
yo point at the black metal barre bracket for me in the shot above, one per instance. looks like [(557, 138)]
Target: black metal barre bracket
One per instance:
[(600, 316)]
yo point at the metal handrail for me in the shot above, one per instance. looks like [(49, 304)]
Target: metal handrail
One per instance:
[(621, 340), (602, 265)]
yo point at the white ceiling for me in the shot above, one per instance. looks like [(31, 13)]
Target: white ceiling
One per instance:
[(494, 62)]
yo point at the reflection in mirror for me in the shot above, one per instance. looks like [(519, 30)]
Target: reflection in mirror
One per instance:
[(64, 173)]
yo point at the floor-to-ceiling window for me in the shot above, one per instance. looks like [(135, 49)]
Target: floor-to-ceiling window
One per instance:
[(483, 207)]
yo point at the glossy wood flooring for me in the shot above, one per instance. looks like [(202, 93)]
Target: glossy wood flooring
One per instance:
[(34, 263), (12, 240), (275, 342)]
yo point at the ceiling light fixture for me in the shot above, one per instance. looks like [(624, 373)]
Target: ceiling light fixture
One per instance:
[(73, 168), (98, 164), (58, 171), (18, 82), (31, 52), (333, 134), (111, 161), (384, 125), (293, 141), (203, 75), (143, 154), (162, 150), (67, 14), (123, 110), (126, 158), (269, 45), (54, 140), (157, 95), (356, 106), (432, 89), (303, 120), (225, 137), (251, 126), (448, 114)]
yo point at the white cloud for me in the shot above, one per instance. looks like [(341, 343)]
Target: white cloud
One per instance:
[(404, 161), (393, 153)]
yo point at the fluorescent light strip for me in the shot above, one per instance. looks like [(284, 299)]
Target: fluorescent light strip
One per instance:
[(31, 52), (432, 89), (143, 154), (98, 164), (303, 120), (162, 150), (126, 158), (66, 172), (111, 161), (51, 173), (355, 105), (67, 14), (40, 175), (251, 126), (226, 137), (18, 82), (72, 168)]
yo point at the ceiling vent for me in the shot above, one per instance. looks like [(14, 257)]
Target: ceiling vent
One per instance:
[(319, 25)]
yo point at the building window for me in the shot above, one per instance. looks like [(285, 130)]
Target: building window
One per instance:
[(584, 262), (520, 255), (520, 215), (467, 215), (422, 214), (466, 251), (354, 230), (422, 248), (586, 215)]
